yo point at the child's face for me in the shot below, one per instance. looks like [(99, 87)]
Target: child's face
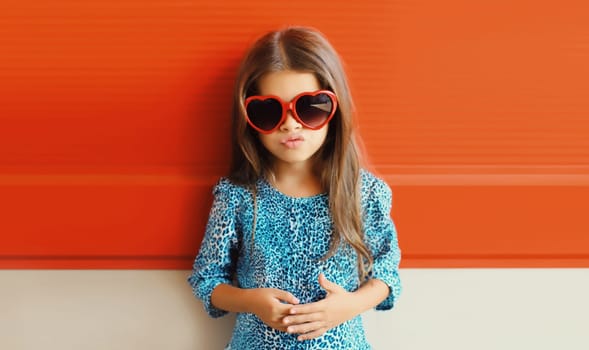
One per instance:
[(291, 143)]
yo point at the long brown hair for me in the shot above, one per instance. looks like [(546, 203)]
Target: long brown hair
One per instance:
[(338, 161)]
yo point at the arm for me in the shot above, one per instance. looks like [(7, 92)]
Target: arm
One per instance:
[(216, 260), (269, 304), (215, 266), (370, 294)]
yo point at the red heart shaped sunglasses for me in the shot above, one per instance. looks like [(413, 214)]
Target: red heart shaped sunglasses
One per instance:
[(312, 109)]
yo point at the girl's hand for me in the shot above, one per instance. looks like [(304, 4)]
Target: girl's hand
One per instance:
[(313, 319), (271, 305)]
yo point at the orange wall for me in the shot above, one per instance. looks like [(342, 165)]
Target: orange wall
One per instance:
[(114, 124)]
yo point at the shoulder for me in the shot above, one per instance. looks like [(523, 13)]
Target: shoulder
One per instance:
[(376, 193), (225, 188), (372, 185)]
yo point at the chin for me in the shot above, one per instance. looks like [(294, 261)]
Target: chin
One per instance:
[(293, 158)]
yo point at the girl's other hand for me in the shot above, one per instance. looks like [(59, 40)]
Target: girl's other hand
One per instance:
[(313, 319), (271, 305)]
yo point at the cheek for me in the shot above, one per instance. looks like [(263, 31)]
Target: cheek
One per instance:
[(265, 140), (322, 134)]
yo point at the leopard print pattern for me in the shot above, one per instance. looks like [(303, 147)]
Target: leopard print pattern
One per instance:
[(291, 236)]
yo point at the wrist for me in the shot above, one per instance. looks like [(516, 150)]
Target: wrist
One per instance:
[(248, 300), (234, 299), (357, 303), (370, 294)]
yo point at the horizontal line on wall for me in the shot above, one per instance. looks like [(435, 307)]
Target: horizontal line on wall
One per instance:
[(185, 263), (496, 261), (461, 256), (104, 179), (397, 179), (405, 256), (94, 257), (151, 262), (487, 179)]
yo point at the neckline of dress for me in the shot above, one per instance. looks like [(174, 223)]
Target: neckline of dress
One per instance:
[(279, 194)]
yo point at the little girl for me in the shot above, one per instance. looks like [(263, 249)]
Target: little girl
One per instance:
[(299, 240)]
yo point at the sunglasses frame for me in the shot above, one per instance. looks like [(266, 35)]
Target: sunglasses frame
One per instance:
[(290, 106)]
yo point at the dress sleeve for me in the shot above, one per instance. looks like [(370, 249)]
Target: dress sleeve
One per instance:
[(215, 262), (381, 236)]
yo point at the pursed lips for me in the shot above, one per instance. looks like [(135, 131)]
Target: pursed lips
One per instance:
[(292, 141)]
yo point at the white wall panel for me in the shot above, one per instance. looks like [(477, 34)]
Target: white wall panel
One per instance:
[(454, 309)]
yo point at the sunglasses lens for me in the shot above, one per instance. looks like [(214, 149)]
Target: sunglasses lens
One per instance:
[(314, 110), (264, 114)]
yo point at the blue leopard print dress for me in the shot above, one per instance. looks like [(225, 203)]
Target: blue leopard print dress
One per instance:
[(292, 234)]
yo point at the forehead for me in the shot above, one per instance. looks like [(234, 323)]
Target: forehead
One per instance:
[(287, 84)]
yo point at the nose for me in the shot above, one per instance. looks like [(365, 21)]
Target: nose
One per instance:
[(290, 123)]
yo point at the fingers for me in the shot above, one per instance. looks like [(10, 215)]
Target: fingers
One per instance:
[(311, 335), (328, 285), (306, 308), (305, 328), (286, 297), (300, 319)]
